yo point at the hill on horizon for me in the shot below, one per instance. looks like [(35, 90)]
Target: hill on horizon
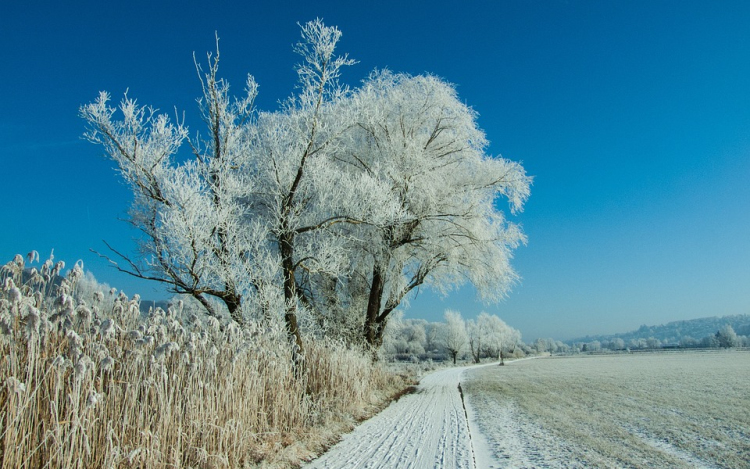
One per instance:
[(672, 332)]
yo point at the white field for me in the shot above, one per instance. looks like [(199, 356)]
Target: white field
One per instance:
[(666, 410)]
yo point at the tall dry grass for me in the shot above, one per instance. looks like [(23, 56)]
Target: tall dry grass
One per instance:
[(85, 388)]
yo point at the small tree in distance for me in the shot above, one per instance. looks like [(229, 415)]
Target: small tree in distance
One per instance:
[(475, 334), (491, 336), (499, 337), (726, 337), (454, 336)]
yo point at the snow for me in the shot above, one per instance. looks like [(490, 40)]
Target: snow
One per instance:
[(426, 429), (435, 428), (591, 412), (514, 442), (654, 410)]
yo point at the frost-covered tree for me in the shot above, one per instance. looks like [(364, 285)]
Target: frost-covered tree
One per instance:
[(687, 341), (432, 331), (498, 337), (540, 345), (563, 347), (593, 346), (547, 345), (617, 344), (229, 222), (405, 337), (194, 236), (441, 224), (299, 192), (339, 204), (710, 341), (653, 343), (491, 336), (454, 337), (726, 337), (475, 339)]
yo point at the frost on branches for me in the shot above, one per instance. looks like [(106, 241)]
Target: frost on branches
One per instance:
[(490, 336), (332, 209)]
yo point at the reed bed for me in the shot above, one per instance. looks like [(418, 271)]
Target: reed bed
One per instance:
[(88, 385)]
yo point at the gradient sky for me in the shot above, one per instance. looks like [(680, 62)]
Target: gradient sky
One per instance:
[(633, 117)]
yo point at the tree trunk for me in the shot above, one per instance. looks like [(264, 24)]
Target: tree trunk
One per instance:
[(373, 330), (290, 293), (475, 352), (233, 302)]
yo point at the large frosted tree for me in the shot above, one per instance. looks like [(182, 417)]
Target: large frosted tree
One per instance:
[(340, 203), (444, 225), (299, 191), (236, 221)]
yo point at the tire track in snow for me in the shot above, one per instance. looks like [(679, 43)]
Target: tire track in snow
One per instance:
[(687, 458), (426, 429), (504, 438), (514, 442)]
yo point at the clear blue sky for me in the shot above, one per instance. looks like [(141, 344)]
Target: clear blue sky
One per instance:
[(633, 117)]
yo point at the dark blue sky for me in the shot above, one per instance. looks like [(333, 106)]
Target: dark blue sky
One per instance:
[(633, 117)]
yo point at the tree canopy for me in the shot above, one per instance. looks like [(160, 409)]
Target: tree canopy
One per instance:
[(336, 206)]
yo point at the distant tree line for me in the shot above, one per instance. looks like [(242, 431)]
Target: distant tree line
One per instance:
[(724, 337), (486, 337)]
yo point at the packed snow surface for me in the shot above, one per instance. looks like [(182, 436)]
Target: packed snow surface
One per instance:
[(426, 429)]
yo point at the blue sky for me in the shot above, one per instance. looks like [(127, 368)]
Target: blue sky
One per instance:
[(633, 117)]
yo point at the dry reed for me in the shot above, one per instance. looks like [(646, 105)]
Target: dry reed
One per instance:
[(84, 388)]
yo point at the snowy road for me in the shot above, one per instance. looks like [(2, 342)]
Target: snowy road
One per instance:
[(427, 429)]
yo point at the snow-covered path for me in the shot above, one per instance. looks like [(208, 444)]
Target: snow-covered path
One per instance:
[(427, 429)]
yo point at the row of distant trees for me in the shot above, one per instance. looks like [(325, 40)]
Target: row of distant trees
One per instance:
[(487, 337), (491, 338), (725, 337)]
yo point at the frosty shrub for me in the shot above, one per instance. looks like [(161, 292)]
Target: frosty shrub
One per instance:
[(82, 385)]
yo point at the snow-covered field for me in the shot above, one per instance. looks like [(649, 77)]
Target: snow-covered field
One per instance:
[(666, 410)]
